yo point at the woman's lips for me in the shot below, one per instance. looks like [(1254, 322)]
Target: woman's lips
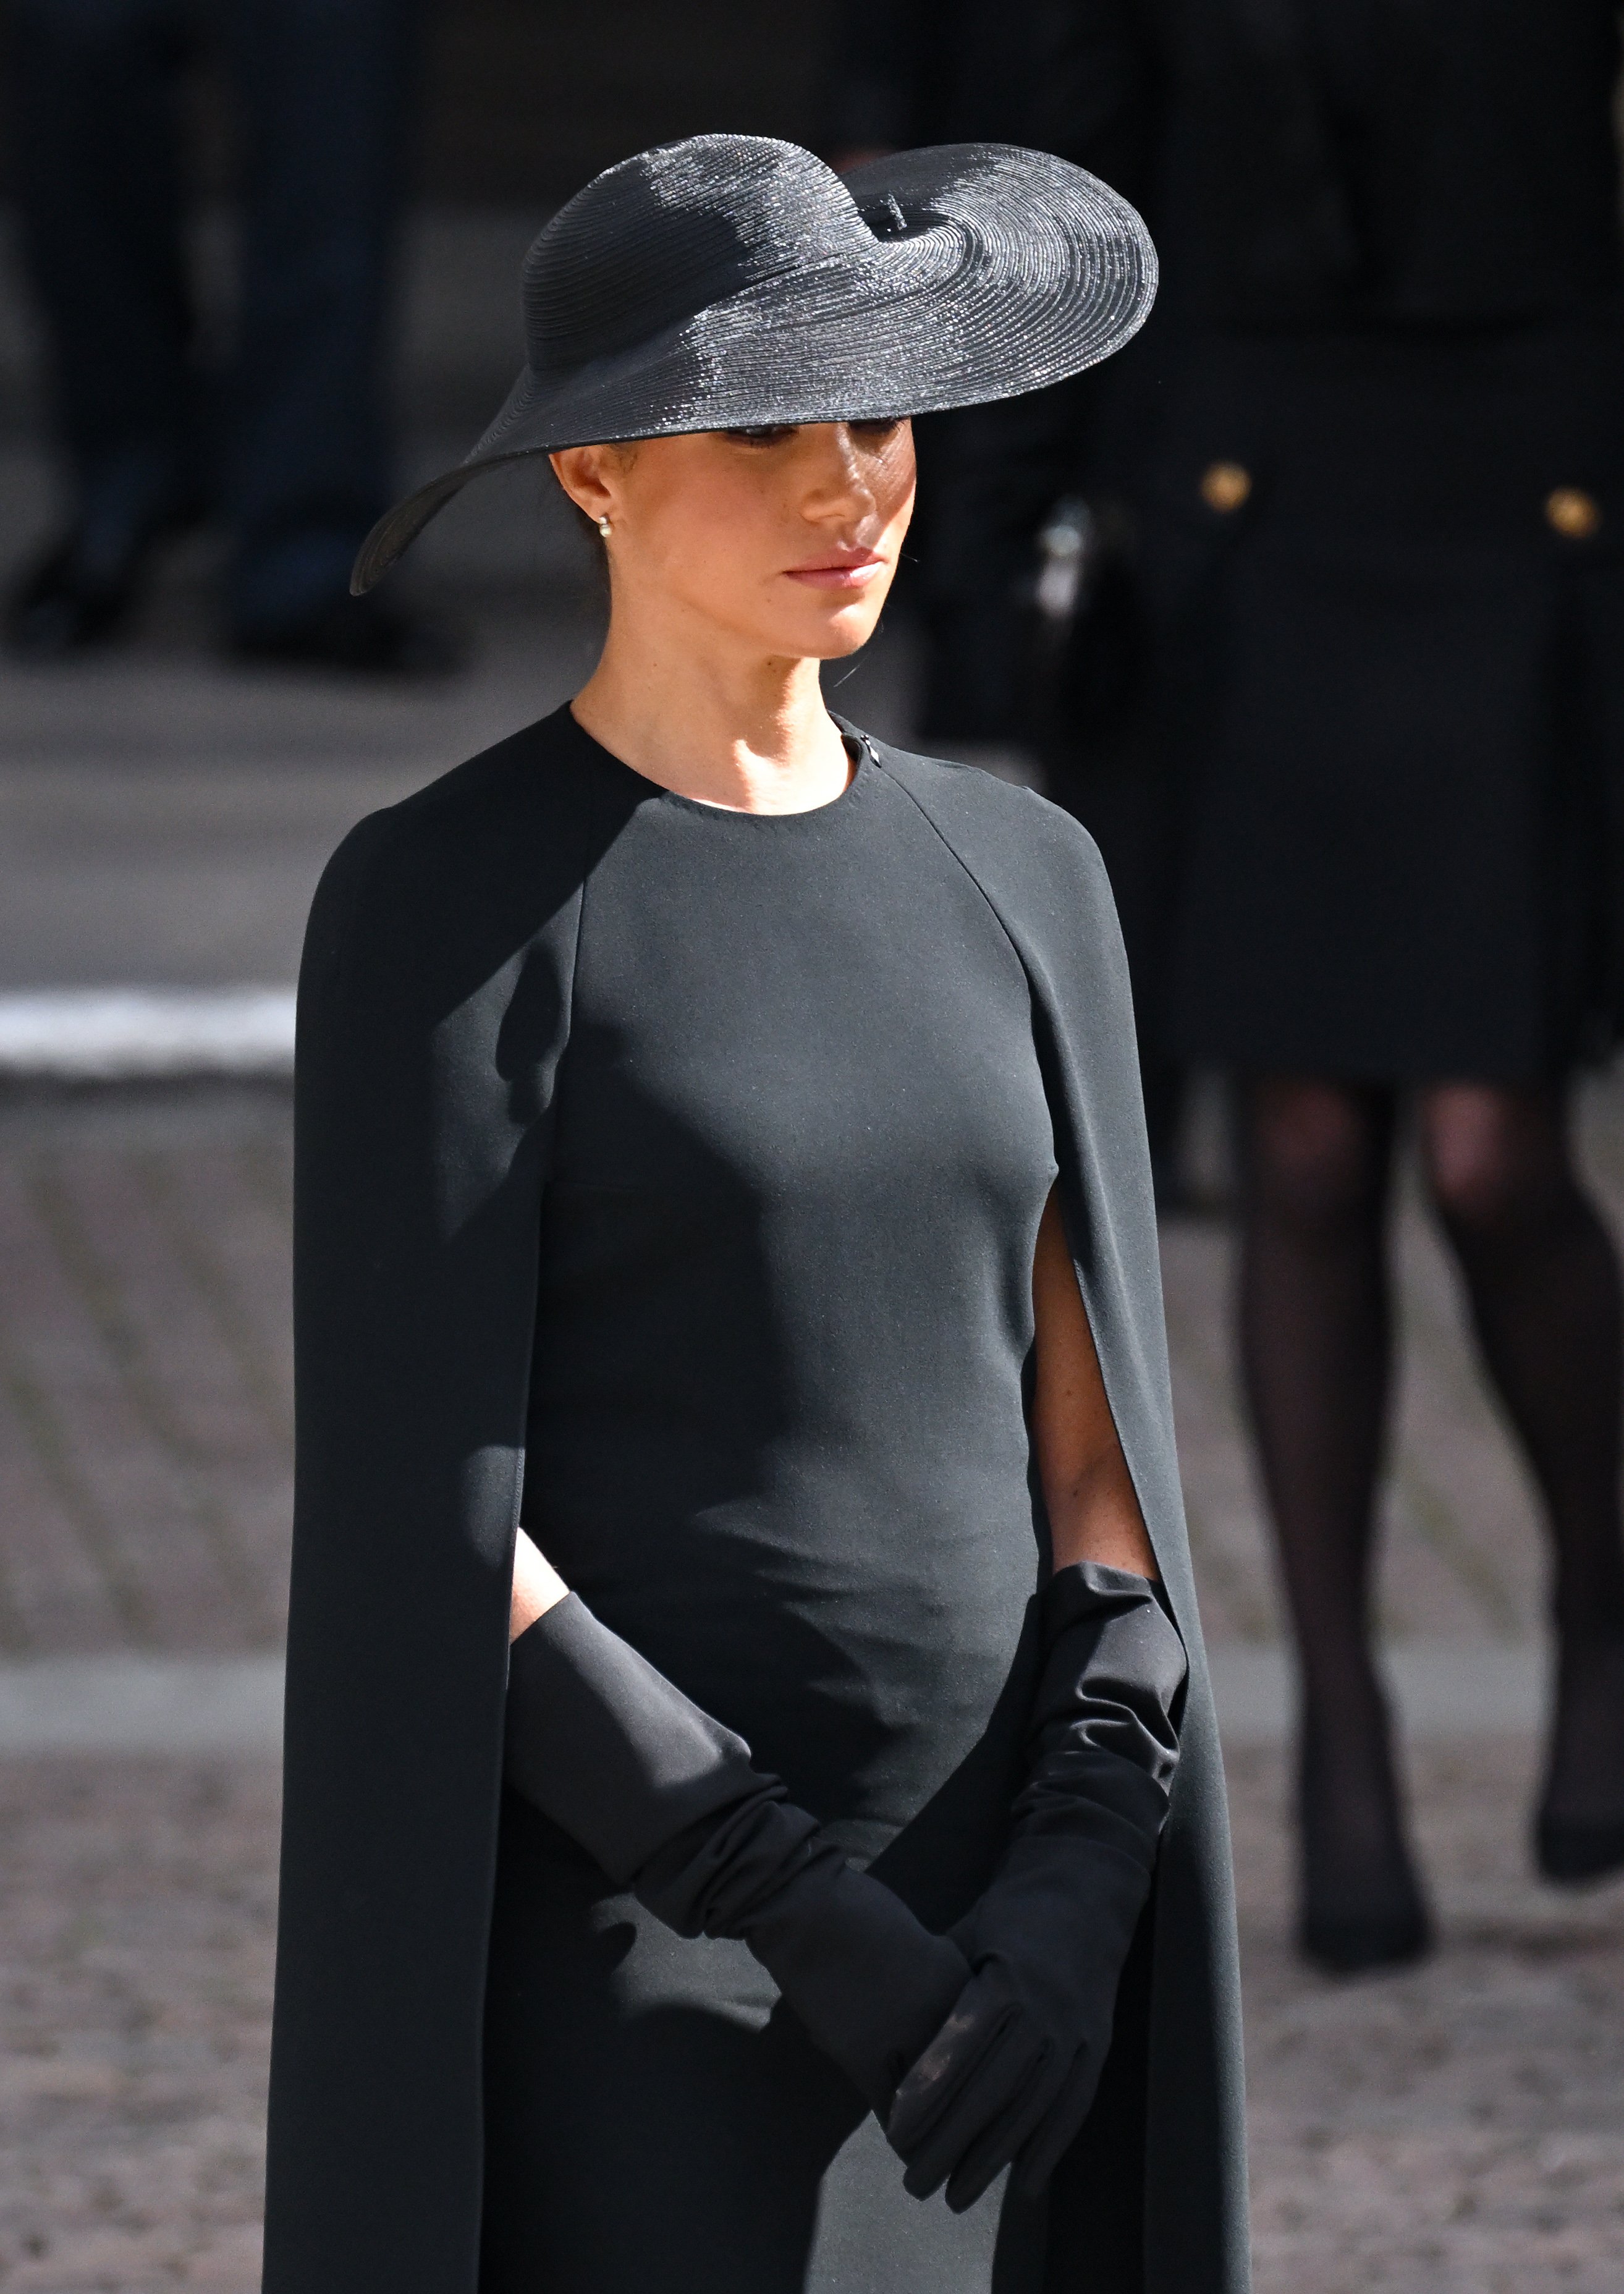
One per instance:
[(840, 573)]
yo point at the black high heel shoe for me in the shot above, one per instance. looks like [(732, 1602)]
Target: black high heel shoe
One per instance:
[(1579, 1829), (1362, 1904), (1569, 1852), (1349, 1939)]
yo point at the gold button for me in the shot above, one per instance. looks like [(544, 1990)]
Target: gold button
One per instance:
[(1574, 514), (1225, 485)]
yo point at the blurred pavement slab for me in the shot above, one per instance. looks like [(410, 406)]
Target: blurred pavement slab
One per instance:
[(137, 1914), (179, 1707), (122, 1035), (145, 1371), (1457, 2128)]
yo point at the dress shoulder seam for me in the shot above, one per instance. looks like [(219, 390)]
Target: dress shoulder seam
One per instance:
[(949, 846)]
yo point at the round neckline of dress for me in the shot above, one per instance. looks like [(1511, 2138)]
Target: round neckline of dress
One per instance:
[(866, 768)]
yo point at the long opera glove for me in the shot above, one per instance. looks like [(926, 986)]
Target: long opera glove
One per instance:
[(668, 1803), (1010, 2076)]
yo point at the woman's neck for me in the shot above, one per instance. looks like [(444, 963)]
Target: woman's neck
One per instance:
[(722, 725)]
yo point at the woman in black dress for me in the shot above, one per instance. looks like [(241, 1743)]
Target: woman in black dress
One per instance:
[(719, 1152)]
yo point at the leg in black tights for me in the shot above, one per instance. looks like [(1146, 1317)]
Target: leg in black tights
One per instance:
[(1315, 1347), (1543, 1282)]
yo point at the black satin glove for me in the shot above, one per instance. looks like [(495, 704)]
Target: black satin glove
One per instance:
[(1013, 2072), (667, 1802)]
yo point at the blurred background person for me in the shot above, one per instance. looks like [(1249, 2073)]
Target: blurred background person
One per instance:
[(1353, 503), (1382, 517), (290, 448)]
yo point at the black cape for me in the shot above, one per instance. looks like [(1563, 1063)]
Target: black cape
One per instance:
[(435, 1003)]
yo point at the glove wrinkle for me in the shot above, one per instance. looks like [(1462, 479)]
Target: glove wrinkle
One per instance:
[(1048, 1937), (668, 1803), (715, 1875), (603, 1742)]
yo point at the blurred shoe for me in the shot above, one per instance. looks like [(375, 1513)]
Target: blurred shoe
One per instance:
[(73, 598), (1571, 1851), (1346, 1939), (363, 637), (1579, 1831), (1361, 1903), (80, 591)]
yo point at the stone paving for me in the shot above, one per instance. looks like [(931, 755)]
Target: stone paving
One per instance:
[(137, 1910), (1456, 2129), (146, 1402)]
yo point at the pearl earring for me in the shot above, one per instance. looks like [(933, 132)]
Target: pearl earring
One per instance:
[(603, 527)]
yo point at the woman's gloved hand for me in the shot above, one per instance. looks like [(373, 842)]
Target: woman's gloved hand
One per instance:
[(667, 1802), (1011, 2074)]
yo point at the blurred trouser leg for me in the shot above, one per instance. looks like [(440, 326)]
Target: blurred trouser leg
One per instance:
[(325, 89), (97, 122)]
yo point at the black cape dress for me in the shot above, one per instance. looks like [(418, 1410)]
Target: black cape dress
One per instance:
[(671, 1177)]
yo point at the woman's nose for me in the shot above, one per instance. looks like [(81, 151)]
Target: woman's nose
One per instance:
[(841, 479)]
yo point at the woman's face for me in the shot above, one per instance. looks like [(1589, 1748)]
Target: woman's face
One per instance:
[(786, 538)]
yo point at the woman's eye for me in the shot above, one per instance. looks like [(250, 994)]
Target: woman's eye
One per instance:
[(763, 434), (875, 433)]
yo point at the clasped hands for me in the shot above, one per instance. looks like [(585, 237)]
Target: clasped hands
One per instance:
[(977, 2050)]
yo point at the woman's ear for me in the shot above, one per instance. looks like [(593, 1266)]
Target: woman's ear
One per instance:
[(579, 471)]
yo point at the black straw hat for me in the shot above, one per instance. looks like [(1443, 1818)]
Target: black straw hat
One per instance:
[(728, 282)]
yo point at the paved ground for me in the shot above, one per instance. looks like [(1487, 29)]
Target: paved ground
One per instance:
[(136, 1918), (1455, 2130), (144, 1445)]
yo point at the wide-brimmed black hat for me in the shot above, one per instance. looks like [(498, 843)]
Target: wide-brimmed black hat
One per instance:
[(729, 281)]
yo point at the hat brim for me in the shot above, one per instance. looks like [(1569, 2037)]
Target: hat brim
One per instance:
[(993, 270)]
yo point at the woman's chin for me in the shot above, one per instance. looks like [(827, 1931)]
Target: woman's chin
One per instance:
[(833, 634)]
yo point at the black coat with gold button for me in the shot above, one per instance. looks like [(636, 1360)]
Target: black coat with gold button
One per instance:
[(1364, 820), (1380, 517)]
